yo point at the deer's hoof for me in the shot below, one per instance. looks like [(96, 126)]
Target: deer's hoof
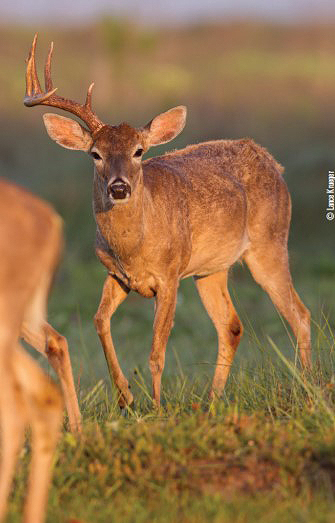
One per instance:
[(126, 398)]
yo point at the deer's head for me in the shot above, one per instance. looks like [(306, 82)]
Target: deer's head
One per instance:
[(116, 150)]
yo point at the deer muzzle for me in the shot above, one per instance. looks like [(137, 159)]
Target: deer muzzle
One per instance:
[(119, 190)]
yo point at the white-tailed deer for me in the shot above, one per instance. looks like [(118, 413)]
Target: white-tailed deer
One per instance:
[(30, 245), (192, 212)]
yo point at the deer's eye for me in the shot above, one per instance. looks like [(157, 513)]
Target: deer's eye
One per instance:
[(138, 153), (95, 155)]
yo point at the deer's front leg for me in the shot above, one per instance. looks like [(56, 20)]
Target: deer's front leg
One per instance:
[(114, 292), (164, 314)]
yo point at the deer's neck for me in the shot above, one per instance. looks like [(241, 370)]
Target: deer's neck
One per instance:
[(120, 226)]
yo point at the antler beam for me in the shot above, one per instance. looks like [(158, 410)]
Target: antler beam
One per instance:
[(36, 96)]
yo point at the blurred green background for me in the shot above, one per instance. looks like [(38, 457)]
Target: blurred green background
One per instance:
[(274, 82)]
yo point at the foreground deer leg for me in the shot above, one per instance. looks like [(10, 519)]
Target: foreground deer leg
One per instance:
[(28, 396), (12, 423), (54, 346), (215, 297), (114, 292), (164, 313), (270, 268), (43, 405)]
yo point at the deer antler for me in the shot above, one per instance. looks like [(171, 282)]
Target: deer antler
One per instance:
[(36, 96)]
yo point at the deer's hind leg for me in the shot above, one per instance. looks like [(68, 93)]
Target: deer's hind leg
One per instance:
[(269, 266), (214, 294)]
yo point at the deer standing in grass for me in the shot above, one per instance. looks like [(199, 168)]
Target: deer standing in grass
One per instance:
[(30, 245), (192, 212)]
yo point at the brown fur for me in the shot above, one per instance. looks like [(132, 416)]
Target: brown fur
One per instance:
[(44, 337), (30, 244)]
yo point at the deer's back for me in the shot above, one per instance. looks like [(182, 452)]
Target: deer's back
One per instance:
[(207, 165), (234, 183)]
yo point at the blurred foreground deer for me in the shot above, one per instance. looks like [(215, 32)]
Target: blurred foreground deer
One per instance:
[(30, 245), (192, 212)]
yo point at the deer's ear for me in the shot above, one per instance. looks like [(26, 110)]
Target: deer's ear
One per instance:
[(166, 126), (67, 133)]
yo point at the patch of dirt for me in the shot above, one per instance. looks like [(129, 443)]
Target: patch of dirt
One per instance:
[(228, 477)]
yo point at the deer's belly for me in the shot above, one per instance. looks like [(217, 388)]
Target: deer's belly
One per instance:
[(215, 255)]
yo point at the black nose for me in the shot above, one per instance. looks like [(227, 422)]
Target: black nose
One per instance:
[(118, 190)]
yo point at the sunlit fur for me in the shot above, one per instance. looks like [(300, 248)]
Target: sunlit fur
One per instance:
[(30, 245)]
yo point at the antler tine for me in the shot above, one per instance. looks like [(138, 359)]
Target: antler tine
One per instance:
[(88, 102), (35, 95), (47, 70), (32, 82)]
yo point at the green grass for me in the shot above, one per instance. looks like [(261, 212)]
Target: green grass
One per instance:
[(265, 452)]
